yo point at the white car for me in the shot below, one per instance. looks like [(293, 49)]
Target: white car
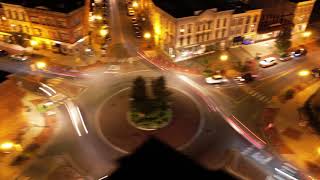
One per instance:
[(270, 61), (216, 79), (19, 57)]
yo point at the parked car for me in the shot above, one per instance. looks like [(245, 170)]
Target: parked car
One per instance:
[(247, 77), (3, 52), (137, 28), (270, 61), (299, 52), (216, 79), (286, 57), (138, 34), (134, 20), (19, 57), (315, 72), (136, 25)]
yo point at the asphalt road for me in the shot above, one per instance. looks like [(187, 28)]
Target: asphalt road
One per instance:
[(270, 82), (96, 158)]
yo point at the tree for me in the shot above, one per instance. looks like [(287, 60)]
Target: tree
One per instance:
[(283, 41), (138, 94), (160, 92)]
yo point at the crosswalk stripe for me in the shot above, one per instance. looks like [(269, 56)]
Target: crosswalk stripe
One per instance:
[(261, 98), (250, 92), (269, 101), (254, 94)]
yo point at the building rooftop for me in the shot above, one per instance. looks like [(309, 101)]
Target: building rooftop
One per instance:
[(297, 1), (156, 160), (185, 8), (63, 6)]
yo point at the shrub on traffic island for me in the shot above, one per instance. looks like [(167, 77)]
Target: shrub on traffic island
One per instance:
[(150, 113)]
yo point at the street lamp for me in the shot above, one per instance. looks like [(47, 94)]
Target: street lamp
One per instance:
[(97, 17), (135, 4), (7, 147), (103, 32), (147, 35), (307, 34), (41, 65), (303, 73), (33, 43), (318, 150), (224, 57)]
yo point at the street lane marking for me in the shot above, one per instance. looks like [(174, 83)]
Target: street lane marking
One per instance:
[(277, 76)]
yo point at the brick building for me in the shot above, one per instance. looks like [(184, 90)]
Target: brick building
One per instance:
[(187, 28), (57, 25), (191, 28), (279, 13)]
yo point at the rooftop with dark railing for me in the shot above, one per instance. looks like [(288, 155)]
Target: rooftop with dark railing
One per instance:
[(51, 5)]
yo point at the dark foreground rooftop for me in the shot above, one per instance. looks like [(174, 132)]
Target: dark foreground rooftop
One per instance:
[(155, 160), (184, 8), (63, 6)]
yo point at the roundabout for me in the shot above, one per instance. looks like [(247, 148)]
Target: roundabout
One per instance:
[(117, 130)]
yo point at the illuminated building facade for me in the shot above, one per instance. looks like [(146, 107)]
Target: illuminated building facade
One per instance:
[(184, 31), (50, 25)]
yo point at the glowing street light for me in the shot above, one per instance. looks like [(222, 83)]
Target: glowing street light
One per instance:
[(318, 150), (7, 147), (135, 4), (303, 73), (307, 34), (147, 35), (33, 43), (97, 17), (224, 57), (41, 65), (104, 32)]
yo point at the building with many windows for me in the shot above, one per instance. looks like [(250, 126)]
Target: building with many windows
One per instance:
[(188, 28), (57, 25), (278, 14), (191, 28)]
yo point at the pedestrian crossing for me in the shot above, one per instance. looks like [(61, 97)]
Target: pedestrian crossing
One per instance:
[(55, 81), (258, 95)]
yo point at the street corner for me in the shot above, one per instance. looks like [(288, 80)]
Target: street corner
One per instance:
[(28, 132), (66, 88)]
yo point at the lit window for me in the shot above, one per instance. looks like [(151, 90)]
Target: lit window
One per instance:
[(189, 28), (181, 41), (188, 40), (217, 33)]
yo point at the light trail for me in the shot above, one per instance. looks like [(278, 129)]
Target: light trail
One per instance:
[(145, 58), (81, 119), (230, 120), (285, 174), (73, 118), (48, 87), (45, 91)]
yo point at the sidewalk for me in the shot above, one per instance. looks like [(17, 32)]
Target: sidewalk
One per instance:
[(163, 62), (264, 48), (302, 142), (78, 60), (35, 134)]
